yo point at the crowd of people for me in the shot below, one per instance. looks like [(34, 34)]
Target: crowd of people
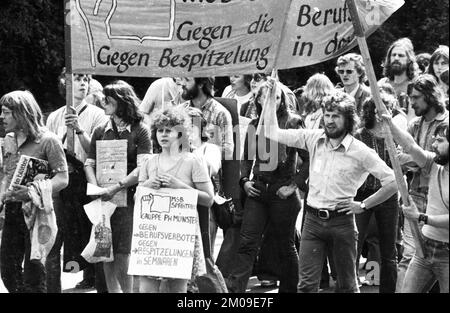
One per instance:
[(318, 154)]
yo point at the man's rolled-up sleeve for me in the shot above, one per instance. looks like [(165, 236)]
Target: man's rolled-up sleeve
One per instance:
[(378, 168), (299, 138)]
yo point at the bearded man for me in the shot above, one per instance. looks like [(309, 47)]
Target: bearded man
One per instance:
[(424, 271), (199, 93), (339, 165), (400, 68)]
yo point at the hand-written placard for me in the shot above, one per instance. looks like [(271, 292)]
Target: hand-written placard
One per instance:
[(111, 166), (164, 228), (200, 38)]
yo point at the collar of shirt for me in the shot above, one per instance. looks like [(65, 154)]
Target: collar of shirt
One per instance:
[(354, 91), (80, 107), (346, 142), (207, 104), (109, 127)]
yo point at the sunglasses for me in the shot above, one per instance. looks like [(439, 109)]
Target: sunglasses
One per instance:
[(348, 72)]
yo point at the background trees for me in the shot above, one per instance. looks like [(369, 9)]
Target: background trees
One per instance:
[(32, 45)]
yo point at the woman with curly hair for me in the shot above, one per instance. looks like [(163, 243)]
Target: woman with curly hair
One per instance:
[(175, 167), (125, 123)]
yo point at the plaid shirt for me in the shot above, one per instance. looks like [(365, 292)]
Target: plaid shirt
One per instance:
[(219, 126)]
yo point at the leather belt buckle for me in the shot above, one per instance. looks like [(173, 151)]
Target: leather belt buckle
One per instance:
[(323, 214)]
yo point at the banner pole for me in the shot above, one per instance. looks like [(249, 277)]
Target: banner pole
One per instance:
[(359, 33), (274, 75), (274, 70), (70, 139)]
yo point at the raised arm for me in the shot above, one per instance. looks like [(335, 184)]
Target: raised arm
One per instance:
[(289, 137), (408, 143)]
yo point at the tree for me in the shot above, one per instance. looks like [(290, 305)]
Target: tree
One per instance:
[(32, 45)]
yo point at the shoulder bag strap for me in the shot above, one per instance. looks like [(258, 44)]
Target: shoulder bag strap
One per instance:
[(114, 126), (65, 134)]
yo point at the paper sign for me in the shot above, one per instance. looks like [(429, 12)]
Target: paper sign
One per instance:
[(93, 190), (164, 230), (111, 166)]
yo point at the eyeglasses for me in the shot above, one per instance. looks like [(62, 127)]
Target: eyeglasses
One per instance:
[(348, 72)]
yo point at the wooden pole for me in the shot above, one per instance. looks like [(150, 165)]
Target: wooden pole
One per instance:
[(70, 139), (359, 33), (274, 70)]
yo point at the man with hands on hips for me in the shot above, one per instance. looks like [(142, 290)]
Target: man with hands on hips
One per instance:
[(339, 164)]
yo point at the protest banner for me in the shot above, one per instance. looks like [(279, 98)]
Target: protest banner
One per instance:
[(111, 167), (200, 38), (164, 230)]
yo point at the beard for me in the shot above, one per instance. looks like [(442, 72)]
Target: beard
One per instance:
[(441, 159), (397, 68), (189, 94), (336, 134), (421, 112)]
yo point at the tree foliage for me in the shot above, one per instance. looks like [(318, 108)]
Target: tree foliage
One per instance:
[(32, 45)]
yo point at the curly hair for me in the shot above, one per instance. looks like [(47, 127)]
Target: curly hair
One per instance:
[(127, 101), (440, 52), (169, 118), (344, 104), (412, 67), (359, 64), (25, 111), (442, 130)]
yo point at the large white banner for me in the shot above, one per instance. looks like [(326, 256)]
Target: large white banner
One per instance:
[(211, 37), (164, 228)]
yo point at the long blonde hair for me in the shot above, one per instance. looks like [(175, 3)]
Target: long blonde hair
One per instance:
[(26, 111), (317, 87)]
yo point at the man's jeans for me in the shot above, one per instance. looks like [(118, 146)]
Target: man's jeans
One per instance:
[(338, 233), (283, 216), (423, 272), (16, 248), (386, 216), (409, 248)]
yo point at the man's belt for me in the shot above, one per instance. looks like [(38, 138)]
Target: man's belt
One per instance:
[(324, 214)]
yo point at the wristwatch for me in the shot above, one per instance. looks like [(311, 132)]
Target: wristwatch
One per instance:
[(362, 205), (121, 184), (423, 218), (79, 132)]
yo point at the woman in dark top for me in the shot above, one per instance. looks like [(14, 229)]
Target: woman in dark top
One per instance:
[(272, 197), (386, 214), (125, 123)]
